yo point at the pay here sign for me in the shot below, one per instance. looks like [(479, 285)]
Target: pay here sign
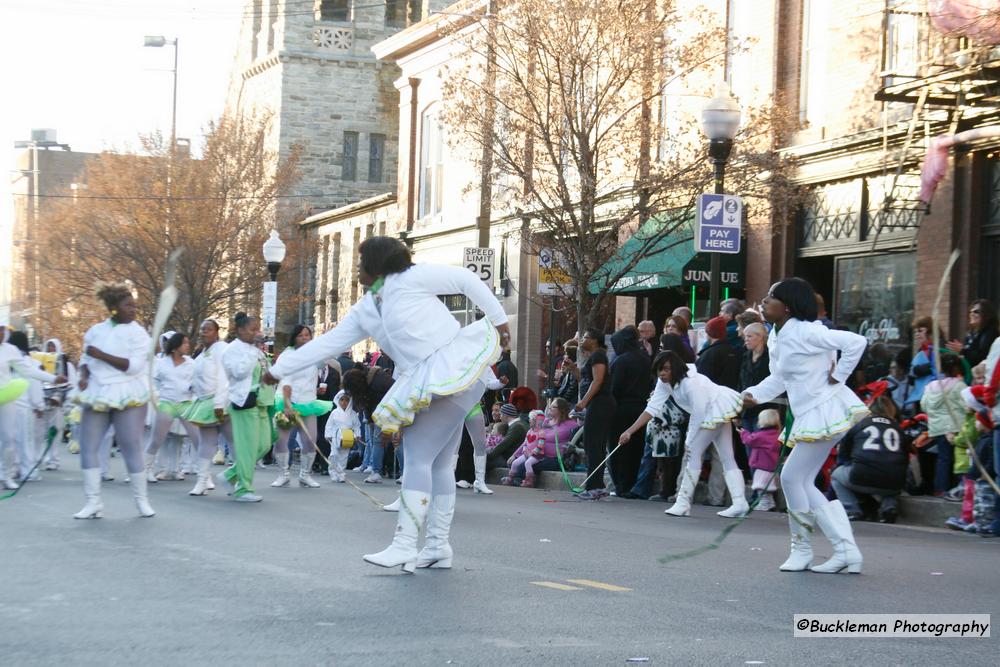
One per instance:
[(720, 218)]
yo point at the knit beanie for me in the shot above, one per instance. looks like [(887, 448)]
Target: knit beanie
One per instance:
[(508, 409), (716, 328)]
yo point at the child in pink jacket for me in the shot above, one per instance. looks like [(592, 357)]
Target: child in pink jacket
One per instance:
[(764, 450)]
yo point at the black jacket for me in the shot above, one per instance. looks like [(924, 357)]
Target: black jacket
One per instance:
[(631, 380), (720, 364), (977, 346), (878, 453)]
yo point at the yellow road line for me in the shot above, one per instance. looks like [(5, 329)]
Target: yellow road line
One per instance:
[(558, 587), (597, 584)]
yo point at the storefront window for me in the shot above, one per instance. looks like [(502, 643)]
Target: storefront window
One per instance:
[(875, 299)]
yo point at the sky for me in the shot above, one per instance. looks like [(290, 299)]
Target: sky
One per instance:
[(79, 67)]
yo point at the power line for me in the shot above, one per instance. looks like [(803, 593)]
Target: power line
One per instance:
[(175, 198)]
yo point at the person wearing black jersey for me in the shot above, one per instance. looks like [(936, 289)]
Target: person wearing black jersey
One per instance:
[(872, 460)]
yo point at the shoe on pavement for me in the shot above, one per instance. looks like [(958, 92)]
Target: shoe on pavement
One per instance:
[(592, 494), (887, 516), (373, 478), (955, 523), (219, 459), (249, 498), (462, 484)]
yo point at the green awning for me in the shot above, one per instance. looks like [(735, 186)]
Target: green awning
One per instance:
[(661, 264)]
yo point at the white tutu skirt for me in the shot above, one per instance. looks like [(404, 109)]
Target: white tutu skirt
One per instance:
[(832, 417), (118, 396), (453, 368), (723, 406)]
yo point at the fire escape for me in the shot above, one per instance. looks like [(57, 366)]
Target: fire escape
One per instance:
[(931, 83)]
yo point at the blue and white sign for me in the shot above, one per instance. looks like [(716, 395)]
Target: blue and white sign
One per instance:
[(720, 219)]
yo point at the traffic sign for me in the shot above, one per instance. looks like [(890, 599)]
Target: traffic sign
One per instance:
[(720, 219), (482, 262), (552, 277)]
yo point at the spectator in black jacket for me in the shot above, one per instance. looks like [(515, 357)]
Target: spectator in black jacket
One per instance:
[(756, 366), (872, 460), (983, 330), (719, 361), (631, 383)]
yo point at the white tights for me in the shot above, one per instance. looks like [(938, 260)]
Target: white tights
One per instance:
[(476, 426), (798, 476), (700, 439), (434, 438), (305, 444)]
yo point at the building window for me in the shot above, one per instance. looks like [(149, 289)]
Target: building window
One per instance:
[(812, 67), (376, 157), (349, 166), (875, 297), (902, 41), (402, 13), (431, 164), (332, 10)]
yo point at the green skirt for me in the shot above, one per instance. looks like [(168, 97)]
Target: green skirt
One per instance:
[(173, 408), (310, 409), (201, 412)]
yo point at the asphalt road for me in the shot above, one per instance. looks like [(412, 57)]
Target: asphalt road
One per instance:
[(282, 582)]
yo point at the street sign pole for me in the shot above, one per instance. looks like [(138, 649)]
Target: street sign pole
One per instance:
[(719, 151)]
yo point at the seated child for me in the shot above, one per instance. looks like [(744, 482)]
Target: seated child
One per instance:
[(343, 429), (764, 449), (530, 453)]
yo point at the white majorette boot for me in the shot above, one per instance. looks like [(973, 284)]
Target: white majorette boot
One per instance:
[(138, 482), (832, 520), (682, 506), (437, 551), (392, 507), (305, 471), (94, 508), (800, 525), (284, 477), (479, 486), (737, 491), (149, 460), (403, 550), (204, 478)]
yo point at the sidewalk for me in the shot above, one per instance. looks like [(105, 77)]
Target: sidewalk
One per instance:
[(913, 510)]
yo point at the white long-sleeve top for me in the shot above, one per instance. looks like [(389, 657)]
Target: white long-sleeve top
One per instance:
[(801, 356), (992, 359), (695, 394), (239, 361), (341, 419), (406, 319), (303, 383), (13, 363), (129, 341), (210, 379), (173, 382)]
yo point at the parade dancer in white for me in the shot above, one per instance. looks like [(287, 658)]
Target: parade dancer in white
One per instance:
[(114, 389), (56, 403), (173, 378), (15, 372), (297, 396), (29, 417), (342, 420), (803, 358), (711, 408), (439, 371), (208, 411)]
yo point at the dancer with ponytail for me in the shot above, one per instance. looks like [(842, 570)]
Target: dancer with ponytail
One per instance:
[(298, 397), (208, 411), (440, 370), (114, 391), (803, 362), (173, 376), (711, 408)]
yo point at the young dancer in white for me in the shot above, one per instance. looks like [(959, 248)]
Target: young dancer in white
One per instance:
[(803, 362), (439, 371), (297, 395), (208, 411), (342, 419), (15, 372), (173, 377), (712, 408), (114, 389), (56, 403)]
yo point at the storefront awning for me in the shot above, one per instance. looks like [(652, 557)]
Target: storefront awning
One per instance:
[(661, 265)]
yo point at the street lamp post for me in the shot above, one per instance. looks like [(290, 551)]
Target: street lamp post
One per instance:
[(156, 42), (720, 120), (274, 254)]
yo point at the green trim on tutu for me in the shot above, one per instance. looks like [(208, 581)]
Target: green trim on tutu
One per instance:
[(175, 409), (315, 408), (202, 412), (13, 390)]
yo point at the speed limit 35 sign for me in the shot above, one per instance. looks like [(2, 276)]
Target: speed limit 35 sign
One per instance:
[(482, 262)]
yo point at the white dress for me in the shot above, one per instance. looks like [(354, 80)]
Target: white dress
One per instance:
[(802, 356), (707, 403), (109, 388), (434, 355)]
